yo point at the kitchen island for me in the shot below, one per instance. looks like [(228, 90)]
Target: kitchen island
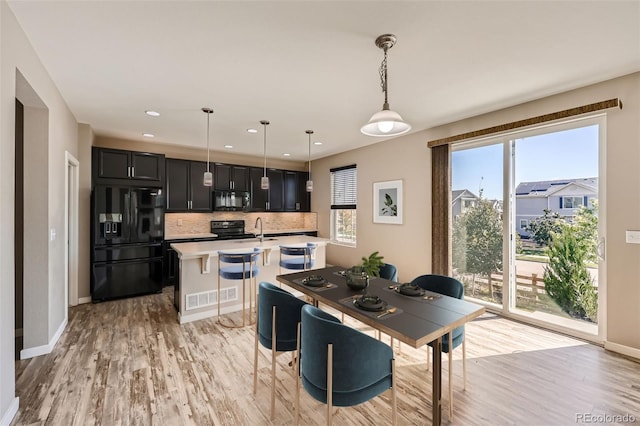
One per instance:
[(197, 283)]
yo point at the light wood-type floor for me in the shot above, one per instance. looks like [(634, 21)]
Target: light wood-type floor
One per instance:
[(129, 362)]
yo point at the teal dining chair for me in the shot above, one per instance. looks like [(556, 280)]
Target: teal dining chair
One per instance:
[(447, 286), (339, 365), (276, 329)]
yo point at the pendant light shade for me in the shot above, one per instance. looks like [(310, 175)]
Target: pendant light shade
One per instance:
[(309, 181), (207, 179), (264, 182), (386, 122)]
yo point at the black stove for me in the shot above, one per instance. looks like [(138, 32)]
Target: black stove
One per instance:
[(229, 229)]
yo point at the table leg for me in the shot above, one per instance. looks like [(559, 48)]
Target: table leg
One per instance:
[(437, 382)]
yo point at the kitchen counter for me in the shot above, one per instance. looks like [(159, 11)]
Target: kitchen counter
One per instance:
[(196, 290), (189, 236)]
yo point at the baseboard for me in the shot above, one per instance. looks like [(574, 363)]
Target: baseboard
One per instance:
[(44, 349), (82, 300), (19, 332), (622, 349), (8, 416)]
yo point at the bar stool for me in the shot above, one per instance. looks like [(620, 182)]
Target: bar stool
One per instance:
[(297, 258), (244, 266)]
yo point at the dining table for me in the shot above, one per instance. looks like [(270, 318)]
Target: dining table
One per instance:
[(415, 321)]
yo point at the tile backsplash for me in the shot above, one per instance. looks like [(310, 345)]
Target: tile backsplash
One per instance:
[(199, 223)]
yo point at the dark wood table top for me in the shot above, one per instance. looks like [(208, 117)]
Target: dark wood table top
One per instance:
[(416, 322)]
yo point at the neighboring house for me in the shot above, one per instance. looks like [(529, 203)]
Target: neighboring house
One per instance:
[(563, 196), (461, 200)]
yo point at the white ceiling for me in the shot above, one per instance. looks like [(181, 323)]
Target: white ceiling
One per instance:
[(313, 64)]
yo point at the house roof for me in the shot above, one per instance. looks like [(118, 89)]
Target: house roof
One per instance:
[(457, 193), (546, 187)]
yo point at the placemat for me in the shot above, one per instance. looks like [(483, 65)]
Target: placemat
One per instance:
[(426, 298), (324, 287), (350, 301)]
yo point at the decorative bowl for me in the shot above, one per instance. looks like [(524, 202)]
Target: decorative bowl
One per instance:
[(357, 278)]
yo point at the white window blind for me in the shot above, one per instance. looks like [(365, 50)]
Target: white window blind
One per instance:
[(344, 185)]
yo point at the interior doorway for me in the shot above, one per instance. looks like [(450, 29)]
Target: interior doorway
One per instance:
[(72, 174)]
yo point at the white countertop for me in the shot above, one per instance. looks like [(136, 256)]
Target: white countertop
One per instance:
[(211, 248), (188, 236)]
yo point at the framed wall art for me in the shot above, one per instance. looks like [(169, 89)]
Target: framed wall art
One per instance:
[(387, 202)]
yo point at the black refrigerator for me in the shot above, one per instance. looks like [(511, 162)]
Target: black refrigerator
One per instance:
[(127, 230)]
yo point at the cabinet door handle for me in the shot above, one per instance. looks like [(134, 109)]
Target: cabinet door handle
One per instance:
[(107, 228), (133, 171), (128, 171)]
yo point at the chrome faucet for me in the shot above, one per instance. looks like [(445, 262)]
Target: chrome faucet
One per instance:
[(261, 235)]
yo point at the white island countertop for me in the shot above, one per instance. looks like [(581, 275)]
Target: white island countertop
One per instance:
[(211, 248)]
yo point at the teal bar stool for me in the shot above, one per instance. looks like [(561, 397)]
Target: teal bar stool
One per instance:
[(297, 258), (240, 266)]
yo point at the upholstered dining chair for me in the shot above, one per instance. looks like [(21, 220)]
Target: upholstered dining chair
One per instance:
[(339, 365), (389, 272), (276, 329), (447, 286)]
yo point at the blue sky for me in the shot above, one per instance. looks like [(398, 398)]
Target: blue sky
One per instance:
[(559, 155)]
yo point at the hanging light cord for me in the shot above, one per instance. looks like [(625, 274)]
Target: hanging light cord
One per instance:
[(383, 75), (265, 148), (309, 156), (208, 115)]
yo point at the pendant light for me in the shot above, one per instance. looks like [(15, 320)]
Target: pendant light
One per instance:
[(207, 179), (264, 182), (309, 182), (386, 122)]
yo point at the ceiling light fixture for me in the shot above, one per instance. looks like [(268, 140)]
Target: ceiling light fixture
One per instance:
[(286, 154), (148, 135), (309, 181), (386, 122), (207, 179), (317, 143), (252, 131), (264, 182), (152, 113), (228, 146)]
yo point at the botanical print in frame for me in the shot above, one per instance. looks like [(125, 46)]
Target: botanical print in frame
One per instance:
[(387, 202)]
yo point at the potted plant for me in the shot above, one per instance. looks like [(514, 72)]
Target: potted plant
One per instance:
[(372, 264)]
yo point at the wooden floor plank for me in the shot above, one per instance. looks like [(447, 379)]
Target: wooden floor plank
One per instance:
[(129, 362)]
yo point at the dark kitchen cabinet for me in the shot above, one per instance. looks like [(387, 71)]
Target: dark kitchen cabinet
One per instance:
[(275, 202), (259, 197), (296, 197), (112, 166), (229, 177), (184, 188)]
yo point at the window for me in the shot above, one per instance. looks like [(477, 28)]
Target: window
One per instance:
[(524, 223), (344, 185), (570, 202)]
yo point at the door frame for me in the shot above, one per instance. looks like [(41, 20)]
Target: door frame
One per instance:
[(72, 180)]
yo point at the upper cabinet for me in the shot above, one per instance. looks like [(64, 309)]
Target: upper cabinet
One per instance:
[(185, 191), (139, 168), (296, 197), (229, 177)]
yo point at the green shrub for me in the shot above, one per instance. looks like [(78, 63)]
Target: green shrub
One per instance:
[(566, 278)]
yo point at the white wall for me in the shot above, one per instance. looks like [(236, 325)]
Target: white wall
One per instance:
[(16, 54)]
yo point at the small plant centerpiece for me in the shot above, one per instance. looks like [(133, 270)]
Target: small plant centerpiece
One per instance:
[(358, 275)]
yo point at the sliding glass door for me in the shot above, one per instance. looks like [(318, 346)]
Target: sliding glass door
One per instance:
[(537, 254)]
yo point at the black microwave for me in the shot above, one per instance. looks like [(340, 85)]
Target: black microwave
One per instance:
[(230, 200)]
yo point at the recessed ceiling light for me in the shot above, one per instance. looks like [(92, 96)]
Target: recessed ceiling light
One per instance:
[(148, 135), (152, 113), (228, 146), (317, 143), (286, 154), (252, 131)]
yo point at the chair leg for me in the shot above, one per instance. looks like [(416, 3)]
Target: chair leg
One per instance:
[(273, 362), (296, 412), (394, 410), (450, 376), (464, 361), (329, 384), (255, 360)]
